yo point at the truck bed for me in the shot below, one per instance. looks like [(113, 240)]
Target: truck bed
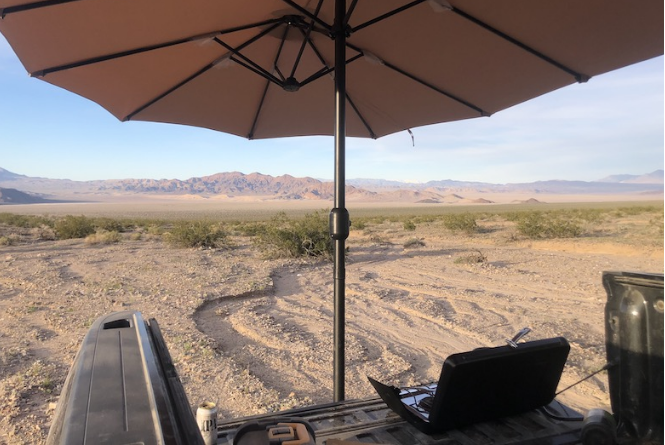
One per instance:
[(123, 388), (371, 421)]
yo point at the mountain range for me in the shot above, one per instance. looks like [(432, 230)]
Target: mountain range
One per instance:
[(16, 188)]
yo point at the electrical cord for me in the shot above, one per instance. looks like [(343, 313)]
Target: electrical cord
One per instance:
[(568, 414)]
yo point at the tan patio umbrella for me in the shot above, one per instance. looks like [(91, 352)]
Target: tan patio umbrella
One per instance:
[(277, 68)]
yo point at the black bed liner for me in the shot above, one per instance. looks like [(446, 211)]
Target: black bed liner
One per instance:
[(371, 421)]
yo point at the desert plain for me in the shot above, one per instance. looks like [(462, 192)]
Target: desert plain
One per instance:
[(254, 334)]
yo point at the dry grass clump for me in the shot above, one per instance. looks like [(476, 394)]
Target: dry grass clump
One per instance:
[(539, 225), (475, 257), (283, 237), (409, 225), (461, 223), (71, 227), (413, 243), (103, 237), (9, 240), (201, 234)]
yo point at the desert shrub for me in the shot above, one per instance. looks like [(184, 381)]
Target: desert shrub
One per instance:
[(71, 227), (380, 239), (7, 240), (141, 224), (475, 257), (108, 224), (413, 243), (359, 224), (409, 225), (590, 215), (460, 222), (25, 221), (44, 233), (424, 219), (537, 225), (286, 238), (103, 237), (657, 222), (636, 210), (196, 234), (155, 230), (512, 216), (249, 228)]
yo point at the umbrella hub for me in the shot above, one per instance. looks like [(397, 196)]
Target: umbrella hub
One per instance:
[(291, 85)]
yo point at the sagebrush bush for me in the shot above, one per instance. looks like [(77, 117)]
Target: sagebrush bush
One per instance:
[(196, 234), (25, 221), (286, 238), (409, 225), (155, 230), (460, 222), (108, 224), (538, 225), (71, 227), (103, 237), (475, 257), (590, 215), (413, 242), (249, 229), (657, 222), (359, 224), (44, 233), (7, 241)]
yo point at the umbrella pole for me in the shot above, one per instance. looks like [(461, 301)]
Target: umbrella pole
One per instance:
[(339, 216)]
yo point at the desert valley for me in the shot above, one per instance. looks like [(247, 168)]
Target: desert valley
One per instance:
[(252, 331)]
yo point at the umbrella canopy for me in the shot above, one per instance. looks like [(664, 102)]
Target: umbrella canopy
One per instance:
[(277, 68), (266, 70)]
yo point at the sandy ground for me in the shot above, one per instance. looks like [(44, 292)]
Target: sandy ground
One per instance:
[(255, 335)]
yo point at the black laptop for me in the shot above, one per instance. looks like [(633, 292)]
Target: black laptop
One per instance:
[(481, 385)]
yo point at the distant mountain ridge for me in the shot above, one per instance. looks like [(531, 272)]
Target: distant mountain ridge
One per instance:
[(6, 175), (655, 177), (286, 187), (13, 196)]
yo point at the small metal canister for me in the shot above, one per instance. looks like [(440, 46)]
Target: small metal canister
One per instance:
[(206, 418)]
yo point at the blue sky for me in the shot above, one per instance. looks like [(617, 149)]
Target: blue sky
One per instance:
[(611, 125)]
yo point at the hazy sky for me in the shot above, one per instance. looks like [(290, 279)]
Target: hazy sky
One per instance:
[(611, 125)]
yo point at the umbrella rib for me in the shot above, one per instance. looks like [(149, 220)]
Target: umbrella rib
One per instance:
[(427, 84), (167, 92), (31, 6), (387, 15), (250, 136), (579, 77), (107, 57), (327, 70), (296, 6), (360, 116), (435, 88), (265, 90), (279, 52), (305, 39), (248, 62), (99, 59), (349, 12), (260, 71)]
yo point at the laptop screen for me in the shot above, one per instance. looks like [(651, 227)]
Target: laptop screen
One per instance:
[(490, 383)]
